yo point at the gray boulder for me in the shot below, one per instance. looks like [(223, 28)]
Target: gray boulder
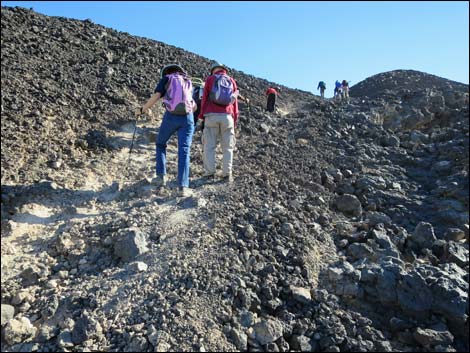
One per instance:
[(374, 218), (302, 295), (130, 244), (449, 298), (423, 236), (85, 327), (267, 331), (349, 204), (456, 253), (414, 296), (360, 251), (19, 330)]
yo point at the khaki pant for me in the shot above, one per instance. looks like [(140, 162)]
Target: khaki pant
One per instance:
[(218, 126)]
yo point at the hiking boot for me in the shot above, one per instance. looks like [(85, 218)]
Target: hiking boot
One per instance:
[(183, 191), (159, 181), (228, 178)]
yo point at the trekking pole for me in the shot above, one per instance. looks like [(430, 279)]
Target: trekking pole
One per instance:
[(132, 144)]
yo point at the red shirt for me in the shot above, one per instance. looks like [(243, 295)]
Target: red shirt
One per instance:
[(270, 91), (207, 106)]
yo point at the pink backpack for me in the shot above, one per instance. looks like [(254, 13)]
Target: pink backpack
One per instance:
[(178, 99)]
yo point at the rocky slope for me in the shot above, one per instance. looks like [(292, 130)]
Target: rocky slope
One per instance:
[(346, 228)]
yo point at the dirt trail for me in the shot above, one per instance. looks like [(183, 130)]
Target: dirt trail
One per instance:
[(108, 187)]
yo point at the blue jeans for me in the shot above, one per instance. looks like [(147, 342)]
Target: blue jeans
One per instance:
[(184, 126)]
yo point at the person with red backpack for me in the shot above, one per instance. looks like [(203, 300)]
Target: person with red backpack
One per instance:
[(271, 103), (176, 90), (219, 114)]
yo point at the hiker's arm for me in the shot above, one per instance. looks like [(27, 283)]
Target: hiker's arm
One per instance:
[(151, 102), (235, 104), (205, 96)]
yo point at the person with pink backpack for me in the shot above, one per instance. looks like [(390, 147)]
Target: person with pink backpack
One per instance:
[(176, 90)]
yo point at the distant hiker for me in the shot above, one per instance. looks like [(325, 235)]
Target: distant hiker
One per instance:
[(219, 114), (198, 90), (337, 92), (322, 87), (176, 90), (271, 103), (345, 89)]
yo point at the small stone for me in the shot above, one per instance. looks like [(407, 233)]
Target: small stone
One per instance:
[(302, 295), (428, 337), (22, 296), (250, 231), (287, 229), (138, 266), (8, 312), (454, 234), (302, 344), (349, 204), (240, 339), (247, 318), (64, 339), (375, 218)]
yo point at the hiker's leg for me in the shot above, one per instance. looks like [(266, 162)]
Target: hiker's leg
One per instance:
[(271, 101), (227, 143), (209, 144), (167, 128), (185, 137)]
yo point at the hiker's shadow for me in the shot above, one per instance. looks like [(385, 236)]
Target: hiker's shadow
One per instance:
[(45, 203)]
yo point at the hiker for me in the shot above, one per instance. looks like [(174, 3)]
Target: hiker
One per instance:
[(272, 93), (337, 92), (322, 87), (178, 118), (198, 90), (345, 89), (219, 114)]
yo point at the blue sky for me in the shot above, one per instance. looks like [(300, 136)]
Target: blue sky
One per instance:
[(296, 43)]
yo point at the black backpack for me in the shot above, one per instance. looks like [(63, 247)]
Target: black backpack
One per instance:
[(197, 93)]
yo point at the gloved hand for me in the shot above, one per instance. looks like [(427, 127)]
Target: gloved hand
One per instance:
[(139, 112), (199, 125)]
